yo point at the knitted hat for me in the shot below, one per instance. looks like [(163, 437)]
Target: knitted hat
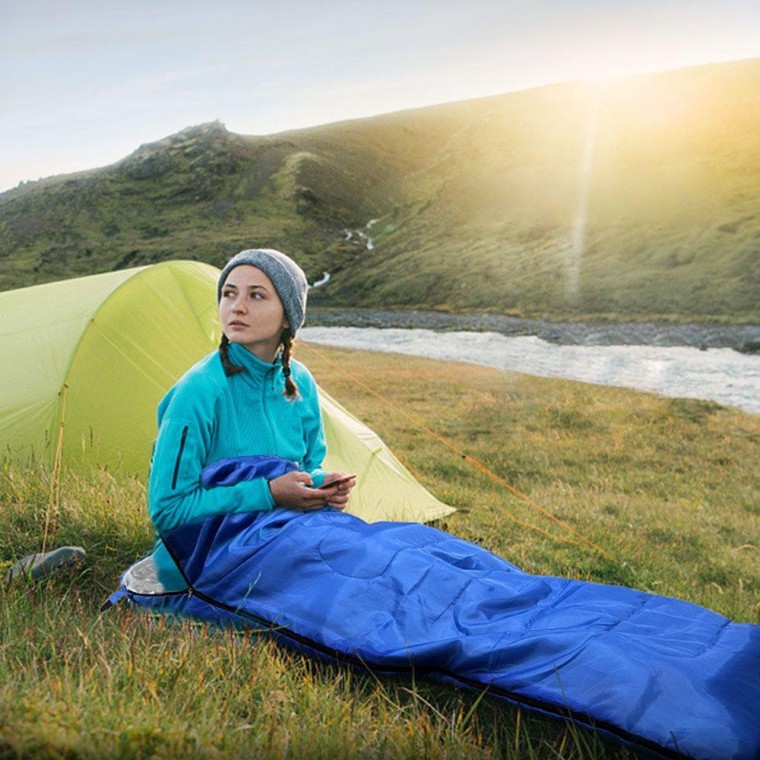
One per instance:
[(287, 277)]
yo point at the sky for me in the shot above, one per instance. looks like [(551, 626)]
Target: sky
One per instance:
[(83, 83)]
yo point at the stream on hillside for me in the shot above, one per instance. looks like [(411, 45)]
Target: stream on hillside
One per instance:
[(666, 365)]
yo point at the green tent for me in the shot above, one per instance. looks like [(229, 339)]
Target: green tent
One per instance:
[(85, 362)]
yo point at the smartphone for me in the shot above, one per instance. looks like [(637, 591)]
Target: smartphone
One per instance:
[(337, 482)]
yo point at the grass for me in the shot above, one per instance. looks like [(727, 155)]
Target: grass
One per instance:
[(476, 203), (668, 488)]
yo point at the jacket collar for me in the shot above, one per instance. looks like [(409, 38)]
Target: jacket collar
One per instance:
[(256, 370)]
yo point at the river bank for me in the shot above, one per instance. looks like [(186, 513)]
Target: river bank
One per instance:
[(743, 338)]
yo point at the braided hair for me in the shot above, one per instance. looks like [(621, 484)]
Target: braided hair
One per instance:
[(286, 341), (230, 369)]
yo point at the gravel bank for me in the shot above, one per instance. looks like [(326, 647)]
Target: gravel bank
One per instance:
[(744, 338)]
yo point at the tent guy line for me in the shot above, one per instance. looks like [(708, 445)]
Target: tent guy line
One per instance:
[(469, 459), (54, 500)]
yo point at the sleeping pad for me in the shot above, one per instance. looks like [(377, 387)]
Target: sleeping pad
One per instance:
[(655, 672)]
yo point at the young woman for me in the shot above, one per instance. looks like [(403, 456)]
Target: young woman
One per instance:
[(247, 540), (247, 399)]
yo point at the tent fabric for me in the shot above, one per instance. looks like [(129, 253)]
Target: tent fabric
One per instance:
[(93, 356), (657, 673), (40, 328)]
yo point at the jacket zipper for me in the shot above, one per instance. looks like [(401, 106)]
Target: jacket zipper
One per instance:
[(265, 407), (179, 456)]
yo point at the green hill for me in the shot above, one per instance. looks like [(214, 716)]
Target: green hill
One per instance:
[(640, 198)]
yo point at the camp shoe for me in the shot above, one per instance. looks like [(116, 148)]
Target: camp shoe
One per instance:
[(39, 565)]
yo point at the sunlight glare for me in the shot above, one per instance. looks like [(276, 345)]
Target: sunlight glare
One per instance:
[(586, 172)]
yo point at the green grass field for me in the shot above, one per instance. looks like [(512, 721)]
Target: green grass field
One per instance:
[(668, 489)]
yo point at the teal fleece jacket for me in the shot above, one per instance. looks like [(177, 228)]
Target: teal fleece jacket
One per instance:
[(207, 417)]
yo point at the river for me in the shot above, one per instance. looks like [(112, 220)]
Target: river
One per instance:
[(722, 375)]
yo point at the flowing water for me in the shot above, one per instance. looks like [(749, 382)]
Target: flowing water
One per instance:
[(715, 374)]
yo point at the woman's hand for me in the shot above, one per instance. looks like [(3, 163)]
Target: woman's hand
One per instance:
[(338, 494), (294, 490)]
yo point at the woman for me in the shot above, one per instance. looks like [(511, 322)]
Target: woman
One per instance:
[(248, 398), (235, 494)]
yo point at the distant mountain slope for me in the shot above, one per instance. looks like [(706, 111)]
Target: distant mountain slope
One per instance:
[(639, 197)]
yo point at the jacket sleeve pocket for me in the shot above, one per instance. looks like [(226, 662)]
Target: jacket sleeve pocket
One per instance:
[(175, 495), (180, 450)]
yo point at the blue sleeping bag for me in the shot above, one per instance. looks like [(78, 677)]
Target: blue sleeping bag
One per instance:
[(656, 672)]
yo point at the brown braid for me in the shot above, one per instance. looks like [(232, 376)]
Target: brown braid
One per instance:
[(291, 391), (230, 369)]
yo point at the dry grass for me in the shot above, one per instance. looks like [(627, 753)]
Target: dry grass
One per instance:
[(667, 488)]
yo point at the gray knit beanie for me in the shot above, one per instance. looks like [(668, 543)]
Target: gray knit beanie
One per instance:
[(287, 277)]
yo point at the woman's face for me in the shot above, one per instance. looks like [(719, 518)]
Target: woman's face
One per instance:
[(251, 312)]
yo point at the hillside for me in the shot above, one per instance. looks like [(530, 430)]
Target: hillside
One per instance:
[(640, 197)]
